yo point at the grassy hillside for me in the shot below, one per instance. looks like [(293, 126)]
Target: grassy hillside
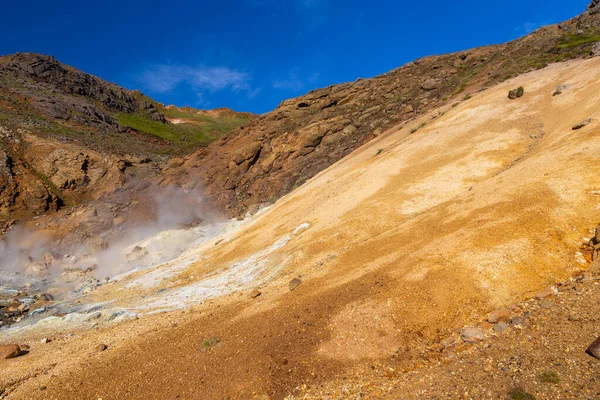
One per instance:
[(194, 129)]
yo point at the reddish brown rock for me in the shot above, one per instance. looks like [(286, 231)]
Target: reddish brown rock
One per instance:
[(594, 349), (9, 351), (499, 316), (546, 293)]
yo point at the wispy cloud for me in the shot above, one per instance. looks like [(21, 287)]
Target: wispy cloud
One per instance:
[(291, 82), (529, 27), (165, 78), (295, 81)]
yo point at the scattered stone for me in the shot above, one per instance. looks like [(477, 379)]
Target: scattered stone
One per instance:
[(430, 84), (550, 292), (137, 253), (499, 316), (254, 294), (484, 325), (9, 351), (594, 349), (500, 327), (101, 347), (37, 270), (49, 258), (88, 286), (450, 341), (560, 89), (42, 387), (595, 51), (472, 335), (516, 93), (284, 361), (7, 291), (518, 320), (582, 124), (294, 283), (45, 297), (46, 340), (546, 303)]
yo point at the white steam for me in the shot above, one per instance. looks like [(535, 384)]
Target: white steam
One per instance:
[(179, 220)]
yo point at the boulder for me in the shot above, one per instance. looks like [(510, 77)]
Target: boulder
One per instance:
[(430, 84), (472, 335), (9, 351), (499, 316), (594, 349), (582, 124)]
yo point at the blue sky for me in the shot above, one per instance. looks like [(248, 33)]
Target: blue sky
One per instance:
[(252, 54)]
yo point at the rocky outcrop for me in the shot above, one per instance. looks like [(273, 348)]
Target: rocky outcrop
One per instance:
[(77, 87)]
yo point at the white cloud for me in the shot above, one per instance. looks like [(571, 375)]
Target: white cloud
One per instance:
[(291, 82), (164, 78)]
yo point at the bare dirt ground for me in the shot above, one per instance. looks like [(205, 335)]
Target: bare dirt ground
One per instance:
[(398, 246)]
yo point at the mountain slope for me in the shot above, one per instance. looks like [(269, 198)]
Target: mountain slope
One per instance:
[(369, 266), (67, 136), (280, 150)]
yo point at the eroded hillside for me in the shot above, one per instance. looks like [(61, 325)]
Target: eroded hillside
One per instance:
[(67, 137), (372, 265)]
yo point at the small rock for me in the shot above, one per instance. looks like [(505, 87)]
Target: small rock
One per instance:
[(516, 93), (559, 90), (9, 351), (500, 327), (255, 293), (450, 341), (46, 340), (499, 316), (582, 124), (595, 51), (546, 304), (284, 361), (488, 367), (101, 347), (37, 270), (45, 297), (518, 320), (594, 349), (42, 387), (484, 325), (550, 292), (294, 283), (472, 335)]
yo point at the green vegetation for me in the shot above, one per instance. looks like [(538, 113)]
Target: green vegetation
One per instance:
[(571, 40), (195, 129), (467, 97), (210, 342), (520, 394), (549, 377), (520, 91)]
